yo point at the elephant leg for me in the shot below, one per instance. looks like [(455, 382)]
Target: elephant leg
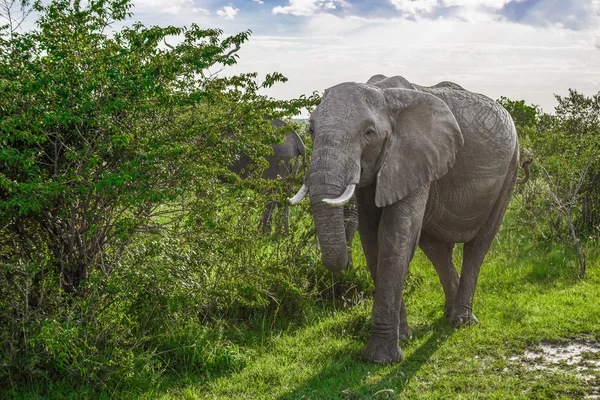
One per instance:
[(474, 252), (368, 227), (284, 217), (404, 332), (440, 255), (267, 216), (398, 235), (473, 255)]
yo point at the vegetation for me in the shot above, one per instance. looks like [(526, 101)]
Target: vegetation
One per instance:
[(113, 149), (562, 202), (132, 263), (527, 294)]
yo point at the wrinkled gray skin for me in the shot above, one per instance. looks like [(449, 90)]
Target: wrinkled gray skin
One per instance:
[(282, 163), (434, 166)]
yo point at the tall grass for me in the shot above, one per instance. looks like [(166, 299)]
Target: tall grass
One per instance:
[(216, 308), (183, 301)]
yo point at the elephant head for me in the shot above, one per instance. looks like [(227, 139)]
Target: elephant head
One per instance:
[(397, 139)]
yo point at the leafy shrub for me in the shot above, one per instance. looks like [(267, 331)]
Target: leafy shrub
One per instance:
[(112, 264), (561, 202)]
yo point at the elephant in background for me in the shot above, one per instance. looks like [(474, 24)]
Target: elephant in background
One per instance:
[(429, 166), (282, 163)]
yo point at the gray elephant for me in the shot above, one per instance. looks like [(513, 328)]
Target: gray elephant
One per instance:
[(282, 163), (432, 166)]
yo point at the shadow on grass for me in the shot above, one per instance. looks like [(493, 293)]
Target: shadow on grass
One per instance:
[(355, 379)]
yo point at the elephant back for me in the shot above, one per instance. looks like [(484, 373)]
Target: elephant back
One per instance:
[(383, 82), (447, 84)]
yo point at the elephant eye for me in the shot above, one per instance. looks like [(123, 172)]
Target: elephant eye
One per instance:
[(370, 132)]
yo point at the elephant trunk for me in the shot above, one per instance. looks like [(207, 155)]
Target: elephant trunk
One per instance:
[(329, 174), (329, 223), (351, 225)]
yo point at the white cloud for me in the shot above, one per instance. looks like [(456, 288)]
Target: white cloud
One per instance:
[(595, 41), (414, 6), (201, 11), (298, 7), (173, 7), (258, 1), (329, 5), (468, 10), (495, 4), (228, 12), (489, 54), (305, 8), (496, 58)]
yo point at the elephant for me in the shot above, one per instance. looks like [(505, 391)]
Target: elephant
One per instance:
[(282, 163), (429, 166)]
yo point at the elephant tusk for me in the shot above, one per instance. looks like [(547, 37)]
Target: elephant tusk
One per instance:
[(299, 196), (343, 199)]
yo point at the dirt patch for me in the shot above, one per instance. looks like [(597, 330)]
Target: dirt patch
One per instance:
[(581, 358)]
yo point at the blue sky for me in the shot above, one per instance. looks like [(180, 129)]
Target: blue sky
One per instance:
[(523, 49)]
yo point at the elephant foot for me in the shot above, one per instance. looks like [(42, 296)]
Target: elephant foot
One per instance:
[(404, 332), (405, 335), (381, 351), (464, 319), (448, 310)]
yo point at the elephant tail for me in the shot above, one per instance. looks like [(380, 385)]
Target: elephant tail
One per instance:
[(525, 167)]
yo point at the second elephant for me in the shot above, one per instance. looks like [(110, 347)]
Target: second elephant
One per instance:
[(282, 163)]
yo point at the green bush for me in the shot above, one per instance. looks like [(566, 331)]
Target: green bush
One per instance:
[(565, 169), (113, 265)]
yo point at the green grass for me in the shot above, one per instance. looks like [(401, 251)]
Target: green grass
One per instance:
[(527, 293)]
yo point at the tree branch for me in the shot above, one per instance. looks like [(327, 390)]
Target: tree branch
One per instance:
[(566, 211)]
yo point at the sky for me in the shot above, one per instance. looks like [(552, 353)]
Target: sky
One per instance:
[(523, 49)]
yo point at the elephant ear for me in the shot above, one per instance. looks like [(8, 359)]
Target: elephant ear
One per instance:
[(298, 143), (422, 146)]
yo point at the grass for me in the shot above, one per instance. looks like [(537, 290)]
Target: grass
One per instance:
[(527, 293)]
